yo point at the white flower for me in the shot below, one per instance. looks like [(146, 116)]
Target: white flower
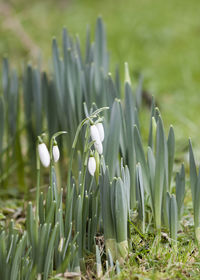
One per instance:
[(99, 147), (94, 133), (56, 153), (96, 137), (44, 154), (91, 165), (100, 130)]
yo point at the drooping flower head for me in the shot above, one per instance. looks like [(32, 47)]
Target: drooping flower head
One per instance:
[(100, 130), (97, 135), (44, 154), (99, 147), (91, 165), (94, 133), (56, 153)]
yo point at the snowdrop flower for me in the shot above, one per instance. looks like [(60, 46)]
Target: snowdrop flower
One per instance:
[(97, 136), (44, 154), (94, 134), (100, 130), (56, 153), (91, 165), (99, 147)]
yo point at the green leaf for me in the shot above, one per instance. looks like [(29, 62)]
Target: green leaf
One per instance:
[(50, 104), (111, 90), (79, 225), (140, 195), (69, 209), (41, 209), (49, 200), (5, 78), (117, 81), (150, 140), (112, 143), (49, 253), (3, 262), (13, 104), (140, 156), (85, 218), (173, 218), (37, 97), (120, 213), (180, 190), (125, 175), (197, 204), (42, 248), (17, 258), (159, 172), (105, 189), (88, 48), (193, 172), (171, 150), (31, 230), (151, 166), (51, 214), (129, 108), (130, 119), (2, 121)]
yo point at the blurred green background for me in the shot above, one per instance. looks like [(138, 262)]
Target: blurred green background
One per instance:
[(160, 39)]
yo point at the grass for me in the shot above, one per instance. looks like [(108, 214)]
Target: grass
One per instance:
[(157, 258), (161, 261), (153, 257)]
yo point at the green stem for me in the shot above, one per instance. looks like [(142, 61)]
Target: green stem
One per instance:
[(85, 160), (73, 150), (52, 142), (51, 162), (93, 115), (38, 184)]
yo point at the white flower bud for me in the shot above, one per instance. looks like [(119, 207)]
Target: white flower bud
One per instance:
[(100, 130), (44, 154), (94, 133), (56, 153), (91, 165), (99, 147)]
